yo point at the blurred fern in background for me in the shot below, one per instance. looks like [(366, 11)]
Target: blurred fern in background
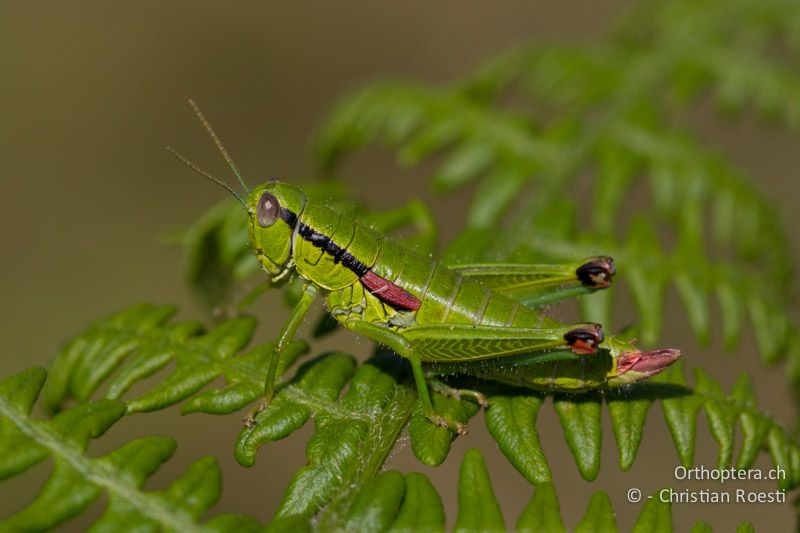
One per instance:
[(532, 126)]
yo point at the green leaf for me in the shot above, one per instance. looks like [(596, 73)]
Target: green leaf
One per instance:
[(745, 527), (786, 457), (496, 193), (228, 522), (25, 442), (431, 443), (696, 302), (701, 527), (352, 438), (427, 140), (86, 360), (770, 329), (680, 414), (18, 394), (597, 307), (656, 516), (138, 342), (244, 387), (289, 524), (755, 426), (422, 508), (377, 503), (722, 420), (63, 496), (628, 416), (21, 390), (78, 480), (617, 167), (732, 316), (542, 513), (463, 165), (580, 419), (317, 382), (646, 284), (599, 516), (478, 509), (511, 421), (202, 361), (217, 252)]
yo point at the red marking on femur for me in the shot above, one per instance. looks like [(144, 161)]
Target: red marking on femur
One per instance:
[(388, 292)]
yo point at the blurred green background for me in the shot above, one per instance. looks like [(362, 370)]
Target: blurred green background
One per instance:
[(91, 94)]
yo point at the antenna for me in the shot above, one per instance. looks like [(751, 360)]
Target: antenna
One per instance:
[(205, 174), (219, 144)]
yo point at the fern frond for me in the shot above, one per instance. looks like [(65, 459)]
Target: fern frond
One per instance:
[(647, 269), (355, 433), (217, 255), (139, 341), (615, 136), (78, 480), (728, 49), (511, 420), (393, 502), (389, 502)]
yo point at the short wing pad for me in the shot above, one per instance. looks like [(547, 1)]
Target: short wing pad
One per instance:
[(389, 293)]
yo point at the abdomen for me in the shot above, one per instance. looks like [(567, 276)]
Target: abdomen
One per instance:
[(447, 297)]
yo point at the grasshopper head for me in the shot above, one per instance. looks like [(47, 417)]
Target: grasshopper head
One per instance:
[(273, 212), (631, 364)]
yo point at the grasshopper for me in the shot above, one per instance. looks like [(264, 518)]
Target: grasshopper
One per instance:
[(427, 312)]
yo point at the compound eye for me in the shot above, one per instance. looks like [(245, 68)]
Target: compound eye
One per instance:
[(267, 210)]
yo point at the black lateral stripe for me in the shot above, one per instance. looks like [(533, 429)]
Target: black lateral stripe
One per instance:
[(289, 217), (322, 241), (358, 268)]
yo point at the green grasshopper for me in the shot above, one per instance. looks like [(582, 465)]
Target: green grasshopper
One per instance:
[(429, 313)]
